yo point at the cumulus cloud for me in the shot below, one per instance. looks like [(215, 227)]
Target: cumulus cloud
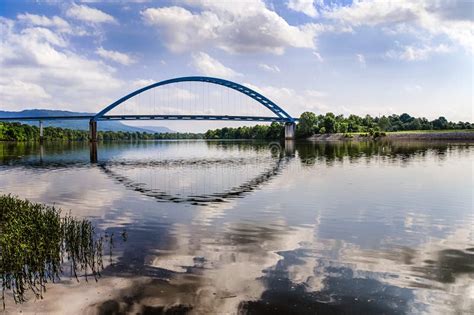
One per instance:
[(207, 65), (304, 6), (445, 18), (90, 15), (237, 27), (37, 65), (269, 68), (14, 90), (40, 20), (115, 56)]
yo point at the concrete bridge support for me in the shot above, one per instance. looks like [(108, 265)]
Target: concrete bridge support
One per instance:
[(41, 131), (93, 151), (290, 131), (290, 148), (92, 131)]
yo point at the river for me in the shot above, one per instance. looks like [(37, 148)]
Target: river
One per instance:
[(225, 227)]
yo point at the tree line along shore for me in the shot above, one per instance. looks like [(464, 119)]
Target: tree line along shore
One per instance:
[(310, 125)]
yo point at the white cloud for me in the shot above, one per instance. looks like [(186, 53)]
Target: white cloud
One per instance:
[(315, 93), (19, 91), (39, 62), (116, 56), (142, 83), (361, 59), (424, 17), (88, 14), (411, 53), (207, 65), (236, 27), (374, 12), (303, 6), (294, 102), (40, 20), (318, 56), (269, 68)]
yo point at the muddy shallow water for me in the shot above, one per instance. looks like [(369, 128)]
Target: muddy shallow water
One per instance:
[(261, 228)]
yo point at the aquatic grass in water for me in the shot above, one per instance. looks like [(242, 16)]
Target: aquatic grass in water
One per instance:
[(35, 242)]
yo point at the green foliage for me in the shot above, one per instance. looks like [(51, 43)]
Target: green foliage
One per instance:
[(306, 125), (21, 132), (310, 124), (34, 242), (273, 131), (329, 123)]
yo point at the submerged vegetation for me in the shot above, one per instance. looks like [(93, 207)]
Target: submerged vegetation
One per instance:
[(36, 242)]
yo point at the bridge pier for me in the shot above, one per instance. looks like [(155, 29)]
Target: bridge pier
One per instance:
[(290, 148), (290, 131), (93, 151), (92, 130), (41, 152), (41, 139)]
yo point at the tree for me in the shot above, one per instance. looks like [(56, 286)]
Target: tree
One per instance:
[(405, 118), (440, 123), (384, 123), (306, 125), (329, 123), (275, 131)]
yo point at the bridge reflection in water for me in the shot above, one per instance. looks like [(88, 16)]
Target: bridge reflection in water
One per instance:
[(294, 256), (198, 181)]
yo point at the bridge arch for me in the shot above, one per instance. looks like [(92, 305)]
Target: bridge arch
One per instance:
[(281, 114)]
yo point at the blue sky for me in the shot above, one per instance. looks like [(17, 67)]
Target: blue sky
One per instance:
[(376, 57)]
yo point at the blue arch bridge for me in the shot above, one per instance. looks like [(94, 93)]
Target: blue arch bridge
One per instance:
[(279, 114)]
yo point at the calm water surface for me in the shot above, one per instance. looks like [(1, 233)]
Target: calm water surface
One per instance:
[(262, 228)]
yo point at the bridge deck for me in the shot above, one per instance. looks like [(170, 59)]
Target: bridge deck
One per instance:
[(151, 117)]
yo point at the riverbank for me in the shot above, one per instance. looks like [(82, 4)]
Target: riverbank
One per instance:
[(463, 135)]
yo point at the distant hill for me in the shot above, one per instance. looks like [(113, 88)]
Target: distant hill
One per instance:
[(80, 124), (158, 129)]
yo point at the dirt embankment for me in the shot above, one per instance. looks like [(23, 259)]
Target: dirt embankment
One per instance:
[(455, 135)]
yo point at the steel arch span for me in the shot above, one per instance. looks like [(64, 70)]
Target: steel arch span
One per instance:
[(281, 115)]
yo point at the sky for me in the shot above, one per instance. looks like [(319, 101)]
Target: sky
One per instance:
[(376, 57)]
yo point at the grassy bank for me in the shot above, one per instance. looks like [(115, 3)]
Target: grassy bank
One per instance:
[(430, 131), (36, 242), (454, 134)]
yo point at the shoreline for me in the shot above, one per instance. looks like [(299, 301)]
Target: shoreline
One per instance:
[(410, 135)]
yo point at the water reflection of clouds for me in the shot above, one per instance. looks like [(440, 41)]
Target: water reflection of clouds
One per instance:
[(73, 190), (244, 250), (348, 277), (385, 233)]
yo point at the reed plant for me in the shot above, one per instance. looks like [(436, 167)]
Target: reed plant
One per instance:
[(37, 243)]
